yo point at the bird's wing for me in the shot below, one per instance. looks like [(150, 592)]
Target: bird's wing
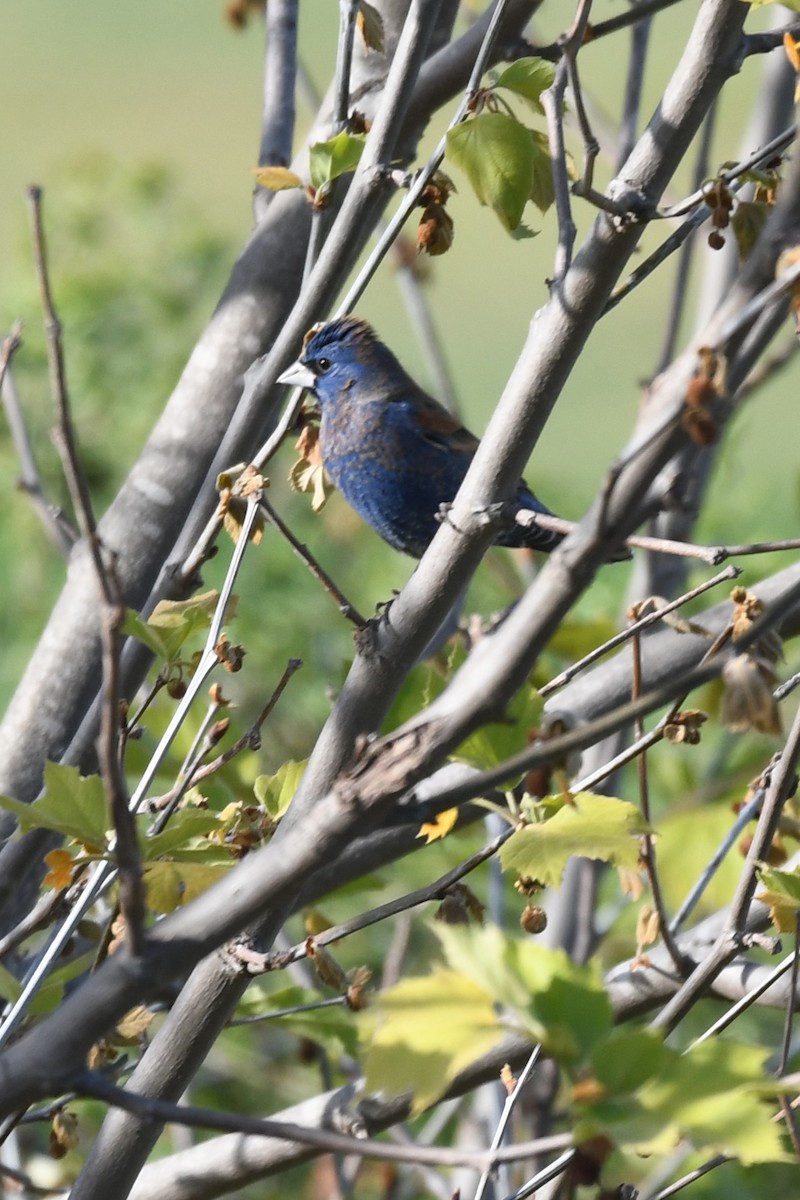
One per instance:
[(440, 428)]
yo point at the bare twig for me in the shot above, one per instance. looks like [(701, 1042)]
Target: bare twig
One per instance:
[(304, 554), (112, 605), (681, 285), (781, 784), (508, 1108), (53, 518), (648, 851), (553, 103), (432, 891), (645, 622), (250, 740), (95, 1085)]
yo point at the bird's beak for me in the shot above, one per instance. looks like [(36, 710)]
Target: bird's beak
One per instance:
[(298, 375)]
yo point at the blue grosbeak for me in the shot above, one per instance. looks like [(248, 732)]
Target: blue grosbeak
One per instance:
[(394, 453)]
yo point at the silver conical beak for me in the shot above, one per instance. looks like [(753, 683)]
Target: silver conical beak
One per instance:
[(298, 375)]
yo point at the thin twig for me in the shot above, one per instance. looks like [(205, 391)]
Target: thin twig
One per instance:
[(304, 554), (681, 286), (746, 1001), (54, 519), (552, 101), (626, 634), (92, 1084), (729, 942), (571, 45), (278, 114), (508, 1108), (774, 147), (548, 1173), (111, 602), (648, 851), (640, 37), (747, 813), (348, 11), (432, 891), (717, 1161), (695, 220), (712, 555), (249, 740)]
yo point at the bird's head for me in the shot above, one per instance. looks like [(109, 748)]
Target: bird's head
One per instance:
[(338, 357)]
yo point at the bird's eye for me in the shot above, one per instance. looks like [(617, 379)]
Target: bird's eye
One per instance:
[(324, 365)]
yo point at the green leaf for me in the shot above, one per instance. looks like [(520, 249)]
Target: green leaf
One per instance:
[(528, 77), (627, 1059), (429, 1029), (329, 160), (708, 1096), (562, 1005), (134, 626), (747, 222), (276, 791), (541, 193), (173, 621), (184, 825), (496, 153), (71, 805), (599, 827), (782, 894), (168, 884), (493, 744)]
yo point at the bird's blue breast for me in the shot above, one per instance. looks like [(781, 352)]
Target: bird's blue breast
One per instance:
[(388, 472)]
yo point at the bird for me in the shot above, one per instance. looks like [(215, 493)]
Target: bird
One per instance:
[(396, 454)]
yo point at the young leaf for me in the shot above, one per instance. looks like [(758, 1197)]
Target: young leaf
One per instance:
[(185, 825), (493, 744), (541, 193), (600, 827), (496, 153), (173, 621), (782, 894), (277, 179), (528, 77), (170, 884), (275, 792), (329, 160), (562, 1005), (428, 1030), (71, 805)]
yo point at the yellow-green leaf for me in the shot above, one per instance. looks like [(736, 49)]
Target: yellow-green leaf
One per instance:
[(428, 1029), (541, 193), (276, 791), (72, 805), (782, 894), (496, 153), (277, 179), (337, 156), (562, 1005), (493, 744), (528, 77), (170, 884), (600, 827), (173, 621)]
